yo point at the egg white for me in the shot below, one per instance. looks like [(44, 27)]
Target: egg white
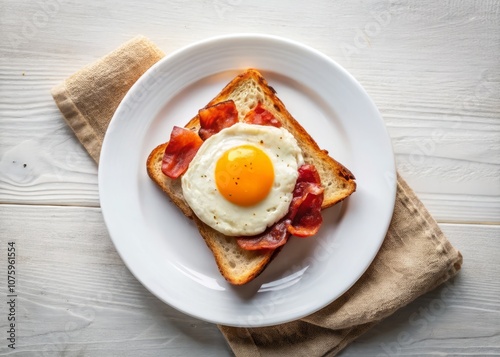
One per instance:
[(200, 189)]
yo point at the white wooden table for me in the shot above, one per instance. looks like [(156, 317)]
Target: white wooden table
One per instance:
[(431, 67)]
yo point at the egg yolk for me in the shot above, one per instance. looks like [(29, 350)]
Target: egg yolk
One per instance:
[(244, 175)]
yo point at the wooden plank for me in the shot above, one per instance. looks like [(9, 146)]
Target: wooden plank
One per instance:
[(450, 160), (432, 70), (76, 295)]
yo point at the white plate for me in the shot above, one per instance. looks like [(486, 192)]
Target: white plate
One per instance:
[(164, 250)]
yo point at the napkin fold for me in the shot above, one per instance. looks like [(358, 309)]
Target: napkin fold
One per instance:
[(415, 257), (89, 98)]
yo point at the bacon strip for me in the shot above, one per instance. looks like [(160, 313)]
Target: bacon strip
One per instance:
[(272, 238), (303, 218), (217, 117), (261, 116), (180, 150), (307, 218), (307, 201)]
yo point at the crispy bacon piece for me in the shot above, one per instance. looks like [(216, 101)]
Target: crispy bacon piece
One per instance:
[(180, 150), (307, 201), (308, 173), (303, 218), (307, 207), (272, 238), (261, 116), (217, 117)]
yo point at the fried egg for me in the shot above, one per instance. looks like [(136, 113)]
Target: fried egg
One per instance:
[(241, 180)]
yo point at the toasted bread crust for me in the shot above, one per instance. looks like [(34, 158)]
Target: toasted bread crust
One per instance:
[(216, 242), (239, 266)]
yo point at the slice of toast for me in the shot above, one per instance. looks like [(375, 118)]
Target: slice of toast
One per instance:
[(239, 266)]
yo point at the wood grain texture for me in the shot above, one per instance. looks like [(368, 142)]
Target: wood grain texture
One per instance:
[(450, 158), (77, 297), (430, 67)]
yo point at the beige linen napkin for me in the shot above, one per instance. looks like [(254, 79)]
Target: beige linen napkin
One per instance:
[(89, 98), (415, 256)]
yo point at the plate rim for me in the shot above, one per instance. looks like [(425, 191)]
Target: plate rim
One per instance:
[(392, 181)]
